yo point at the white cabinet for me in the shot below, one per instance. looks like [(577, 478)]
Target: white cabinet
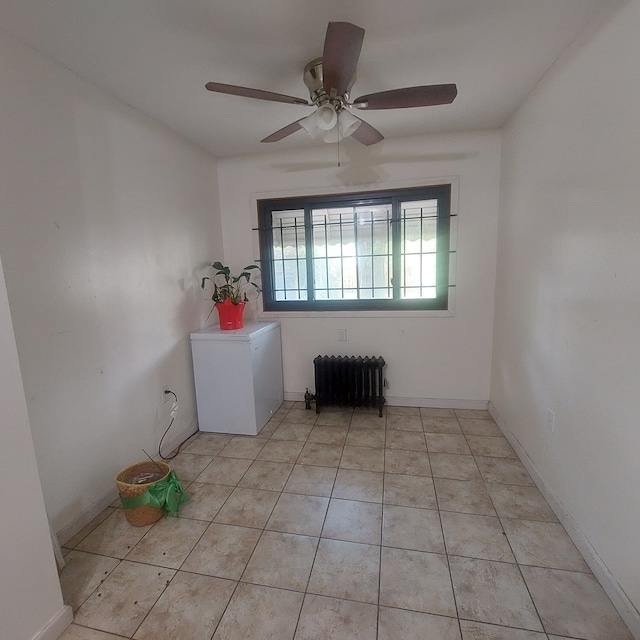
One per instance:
[(238, 376)]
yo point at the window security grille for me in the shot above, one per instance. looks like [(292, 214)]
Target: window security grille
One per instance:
[(378, 250)]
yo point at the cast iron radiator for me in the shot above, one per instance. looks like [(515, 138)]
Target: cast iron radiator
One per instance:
[(347, 381)]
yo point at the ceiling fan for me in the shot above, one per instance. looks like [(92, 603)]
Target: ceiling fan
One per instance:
[(329, 80)]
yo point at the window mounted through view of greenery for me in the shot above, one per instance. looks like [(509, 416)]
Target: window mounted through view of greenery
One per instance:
[(368, 251)]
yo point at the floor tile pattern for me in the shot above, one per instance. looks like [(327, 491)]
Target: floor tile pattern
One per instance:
[(342, 525)]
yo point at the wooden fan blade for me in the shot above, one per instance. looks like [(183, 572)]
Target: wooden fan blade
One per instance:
[(284, 132), (366, 134), (246, 92), (342, 45), (409, 97)]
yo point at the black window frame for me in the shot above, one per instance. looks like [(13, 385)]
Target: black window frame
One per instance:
[(440, 192)]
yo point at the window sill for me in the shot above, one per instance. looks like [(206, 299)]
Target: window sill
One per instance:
[(444, 313)]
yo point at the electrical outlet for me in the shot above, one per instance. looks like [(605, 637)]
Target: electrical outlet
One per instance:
[(550, 421), (342, 335)]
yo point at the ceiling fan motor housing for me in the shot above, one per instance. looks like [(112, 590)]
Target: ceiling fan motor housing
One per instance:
[(313, 79)]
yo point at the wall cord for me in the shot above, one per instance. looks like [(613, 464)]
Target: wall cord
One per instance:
[(173, 417)]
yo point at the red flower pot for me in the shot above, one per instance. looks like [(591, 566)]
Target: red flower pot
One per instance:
[(230, 314)]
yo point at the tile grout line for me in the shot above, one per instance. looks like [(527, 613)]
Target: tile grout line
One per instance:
[(315, 555), (238, 582), (444, 539), (384, 464), (185, 559), (508, 542), (486, 484)]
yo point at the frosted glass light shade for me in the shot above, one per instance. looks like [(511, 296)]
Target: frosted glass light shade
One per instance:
[(348, 123), (310, 126), (326, 117), (330, 125)]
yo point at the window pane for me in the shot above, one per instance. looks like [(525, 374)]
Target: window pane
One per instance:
[(429, 270), (289, 254), (345, 239), (334, 273), (420, 209), (383, 294), (429, 235), (278, 279), (411, 272), (365, 271), (302, 278), (293, 276), (288, 234), (319, 274), (418, 248), (411, 292), (375, 250)]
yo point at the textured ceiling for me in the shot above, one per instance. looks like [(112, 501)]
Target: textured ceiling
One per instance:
[(157, 55)]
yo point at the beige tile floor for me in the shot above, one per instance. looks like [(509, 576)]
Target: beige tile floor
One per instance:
[(422, 524)]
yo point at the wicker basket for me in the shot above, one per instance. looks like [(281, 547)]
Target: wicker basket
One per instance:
[(145, 514)]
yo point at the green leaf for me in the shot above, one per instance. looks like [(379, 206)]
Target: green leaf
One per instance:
[(233, 287)]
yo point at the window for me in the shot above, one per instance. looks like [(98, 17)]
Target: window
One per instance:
[(364, 251)]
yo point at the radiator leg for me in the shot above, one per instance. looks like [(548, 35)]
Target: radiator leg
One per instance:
[(308, 399)]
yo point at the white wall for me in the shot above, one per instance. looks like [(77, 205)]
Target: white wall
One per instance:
[(568, 293), (106, 218), (30, 597), (430, 359)]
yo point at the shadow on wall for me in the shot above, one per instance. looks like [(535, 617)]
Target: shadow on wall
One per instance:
[(123, 434), (362, 165)]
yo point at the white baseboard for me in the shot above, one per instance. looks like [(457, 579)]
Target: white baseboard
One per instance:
[(84, 517), (436, 403), (294, 396), (399, 401), (56, 626), (612, 588)]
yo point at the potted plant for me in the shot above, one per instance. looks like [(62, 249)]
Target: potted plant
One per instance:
[(230, 293)]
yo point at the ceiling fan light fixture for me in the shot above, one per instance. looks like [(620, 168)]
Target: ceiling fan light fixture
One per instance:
[(333, 135), (310, 125), (329, 80), (348, 123), (326, 117)]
